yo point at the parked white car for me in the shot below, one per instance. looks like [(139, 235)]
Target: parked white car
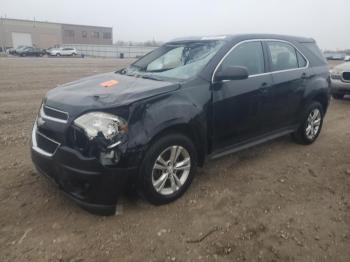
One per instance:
[(347, 58), (66, 51)]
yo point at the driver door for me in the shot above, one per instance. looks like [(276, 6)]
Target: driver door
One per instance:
[(239, 105)]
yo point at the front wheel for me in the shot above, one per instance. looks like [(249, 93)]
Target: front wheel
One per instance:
[(168, 169), (311, 125)]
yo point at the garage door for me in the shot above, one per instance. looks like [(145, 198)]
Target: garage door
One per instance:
[(21, 39)]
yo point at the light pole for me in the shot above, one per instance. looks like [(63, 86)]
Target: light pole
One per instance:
[(3, 33)]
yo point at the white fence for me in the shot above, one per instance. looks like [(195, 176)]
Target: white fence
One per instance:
[(111, 50)]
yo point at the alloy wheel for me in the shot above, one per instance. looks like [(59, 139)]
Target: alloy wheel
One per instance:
[(171, 170), (313, 124)]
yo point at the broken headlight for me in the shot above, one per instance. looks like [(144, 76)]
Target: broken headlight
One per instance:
[(106, 132), (98, 122)]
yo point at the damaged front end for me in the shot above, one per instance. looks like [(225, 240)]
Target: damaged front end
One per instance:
[(100, 135)]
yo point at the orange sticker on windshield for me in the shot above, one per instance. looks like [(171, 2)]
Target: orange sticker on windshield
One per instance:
[(109, 83)]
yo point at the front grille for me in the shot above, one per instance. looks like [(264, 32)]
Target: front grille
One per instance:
[(55, 113), (46, 144), (52, 134), (346, 76)]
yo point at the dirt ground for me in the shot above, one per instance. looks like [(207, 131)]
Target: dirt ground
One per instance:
[(276, 202)]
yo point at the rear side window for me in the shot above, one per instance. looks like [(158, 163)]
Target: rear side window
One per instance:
[(283, 56), (301, 60), (249, 55)]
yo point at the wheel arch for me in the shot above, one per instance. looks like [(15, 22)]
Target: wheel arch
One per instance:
[(189, 131), (323, 99)]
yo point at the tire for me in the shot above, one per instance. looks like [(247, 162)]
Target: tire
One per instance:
[(175, 182), (338, 96), (58, 54), (74, 54), (311, 125)]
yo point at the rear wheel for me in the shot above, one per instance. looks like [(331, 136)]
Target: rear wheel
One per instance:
[(168, 169), (338, 96), (311, 125), (58, 54)]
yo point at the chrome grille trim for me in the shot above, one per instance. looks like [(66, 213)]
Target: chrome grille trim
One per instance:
[(45, 116), (35, 144)]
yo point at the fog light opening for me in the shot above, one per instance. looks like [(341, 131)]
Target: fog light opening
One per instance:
[(111, 157)]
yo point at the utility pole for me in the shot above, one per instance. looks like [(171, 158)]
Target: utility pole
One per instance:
[(2, 36)]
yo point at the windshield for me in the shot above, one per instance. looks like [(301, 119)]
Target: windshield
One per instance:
[(180, 61)]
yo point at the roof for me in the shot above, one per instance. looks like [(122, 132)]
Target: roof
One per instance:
[(46, 22), (240, 37)]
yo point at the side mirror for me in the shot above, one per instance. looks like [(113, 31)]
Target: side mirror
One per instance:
[(232, 73)]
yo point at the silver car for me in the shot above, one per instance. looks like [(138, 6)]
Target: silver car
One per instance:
[(340, 79), (64, 51)]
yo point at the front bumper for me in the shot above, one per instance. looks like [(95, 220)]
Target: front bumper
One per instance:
[(340, 87), (93, 186)]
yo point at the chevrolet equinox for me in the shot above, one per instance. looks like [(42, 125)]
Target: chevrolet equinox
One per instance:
[(148, 126)]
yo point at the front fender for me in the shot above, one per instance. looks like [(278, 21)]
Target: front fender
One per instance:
[(185, 108), (155, 115)]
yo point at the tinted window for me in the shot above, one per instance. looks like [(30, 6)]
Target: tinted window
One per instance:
[(249, 55), (301, 60), (283, 56)]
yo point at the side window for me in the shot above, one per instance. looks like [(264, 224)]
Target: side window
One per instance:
[(283, 56), (301, 60), (249, 55)]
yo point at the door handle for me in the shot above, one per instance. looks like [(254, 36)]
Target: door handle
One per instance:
[(304, 75)]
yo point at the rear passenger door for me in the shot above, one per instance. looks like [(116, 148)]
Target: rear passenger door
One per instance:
[(289, 74)]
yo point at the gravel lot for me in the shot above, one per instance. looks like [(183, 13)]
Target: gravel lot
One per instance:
[(276, 202)]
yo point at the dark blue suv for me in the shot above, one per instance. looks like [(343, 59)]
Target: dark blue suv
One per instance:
[(148, 126)]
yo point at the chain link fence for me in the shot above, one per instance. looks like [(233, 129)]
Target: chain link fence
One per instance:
[(112, 51)]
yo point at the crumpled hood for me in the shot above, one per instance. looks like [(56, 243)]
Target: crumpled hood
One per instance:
[(88, 93)]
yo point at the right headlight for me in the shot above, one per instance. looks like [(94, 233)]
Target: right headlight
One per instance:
[(107, 124), (335, 73)]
